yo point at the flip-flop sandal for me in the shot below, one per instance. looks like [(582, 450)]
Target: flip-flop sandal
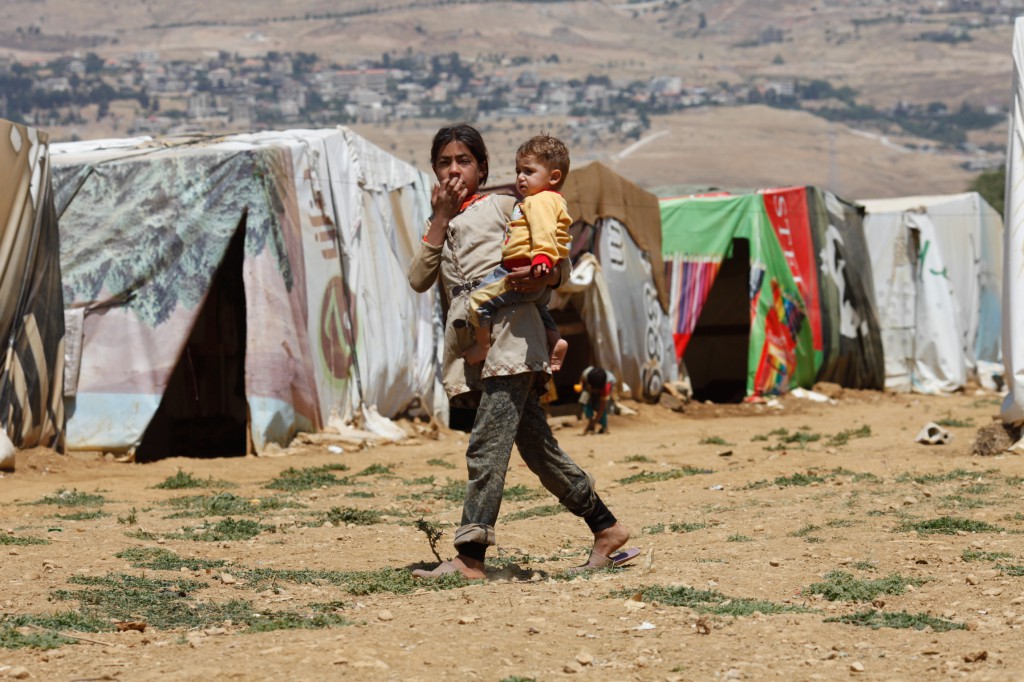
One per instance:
[(625, 556), (597, 560), (443, 568)]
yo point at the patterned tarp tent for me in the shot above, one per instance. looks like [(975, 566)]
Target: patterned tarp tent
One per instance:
[(245, 287), (31, 319)]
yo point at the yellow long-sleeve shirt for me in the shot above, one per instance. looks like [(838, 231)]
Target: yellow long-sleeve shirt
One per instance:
[(538, 231)]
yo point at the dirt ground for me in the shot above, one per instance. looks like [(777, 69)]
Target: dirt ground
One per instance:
[(741, 512)]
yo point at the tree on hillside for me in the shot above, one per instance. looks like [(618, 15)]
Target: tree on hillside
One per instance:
[(991, 185)]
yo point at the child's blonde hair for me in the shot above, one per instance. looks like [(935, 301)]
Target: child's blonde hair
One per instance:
[(548, 150)]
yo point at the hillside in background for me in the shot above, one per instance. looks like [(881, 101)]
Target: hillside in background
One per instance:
[(873, 63)]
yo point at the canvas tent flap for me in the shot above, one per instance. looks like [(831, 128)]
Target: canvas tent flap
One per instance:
[(1013, 245), (595, 191), (31, 314)]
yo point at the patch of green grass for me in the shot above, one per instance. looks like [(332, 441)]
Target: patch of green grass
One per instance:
[(520, 493), (948, 525), (654, 476), (21, 540), (640, 459), (844, 436), (797, 479), (344, 516), (168, 605), (184, 480), (926, 479), (900, 620), (72, 498), (545, 510), (80, 516), (707, 601), (805, 531), (294, 480), (656, 529), (950, 422), (226, 504), (359, 583), (686, 527), (972, 555), (842, 586), (1012, 570), (224, 530), (440, 463), (376, 470), (736, 537), (962, 502), (713, 440), (160, 559)]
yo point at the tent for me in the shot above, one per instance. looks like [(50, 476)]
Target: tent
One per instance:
[(618, 287), (1013, 247), (31, 324), (236, 290), (937, 267), (769, 291)]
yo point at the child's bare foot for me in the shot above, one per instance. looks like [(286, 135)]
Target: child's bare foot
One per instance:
[(471, 569), (558, 352), (475, 354), (611, 539)]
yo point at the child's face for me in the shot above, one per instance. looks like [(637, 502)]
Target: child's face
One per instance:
[(533, 177)]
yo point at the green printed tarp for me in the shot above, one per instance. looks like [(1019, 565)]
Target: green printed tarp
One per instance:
[(810, 318)]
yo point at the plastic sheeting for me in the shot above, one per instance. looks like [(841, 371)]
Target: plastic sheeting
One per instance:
[(1013, 245), (31, 321), (937, 277), (328, 221)]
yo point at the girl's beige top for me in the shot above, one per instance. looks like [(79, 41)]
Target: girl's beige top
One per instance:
[(471, 251)]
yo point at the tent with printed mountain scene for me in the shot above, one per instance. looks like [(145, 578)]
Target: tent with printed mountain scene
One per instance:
[(228, 292), (770, 291)]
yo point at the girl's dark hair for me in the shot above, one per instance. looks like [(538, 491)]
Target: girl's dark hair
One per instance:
[(467, 135)]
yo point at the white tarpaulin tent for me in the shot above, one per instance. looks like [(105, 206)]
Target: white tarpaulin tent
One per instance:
[(254, 278), (1013, 246), (937, 267)]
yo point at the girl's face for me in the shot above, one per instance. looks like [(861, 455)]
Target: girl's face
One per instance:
[(455, 161)]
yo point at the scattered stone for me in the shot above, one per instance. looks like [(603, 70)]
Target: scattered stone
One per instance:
[(386, 615), (857, 667)]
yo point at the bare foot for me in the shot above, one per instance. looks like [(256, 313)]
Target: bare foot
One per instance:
[(611, 539), (558, 354), (471, 569), (475, 354)]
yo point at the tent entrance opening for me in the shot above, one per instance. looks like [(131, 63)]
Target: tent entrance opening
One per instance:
[(716, 355), (204, 411)]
